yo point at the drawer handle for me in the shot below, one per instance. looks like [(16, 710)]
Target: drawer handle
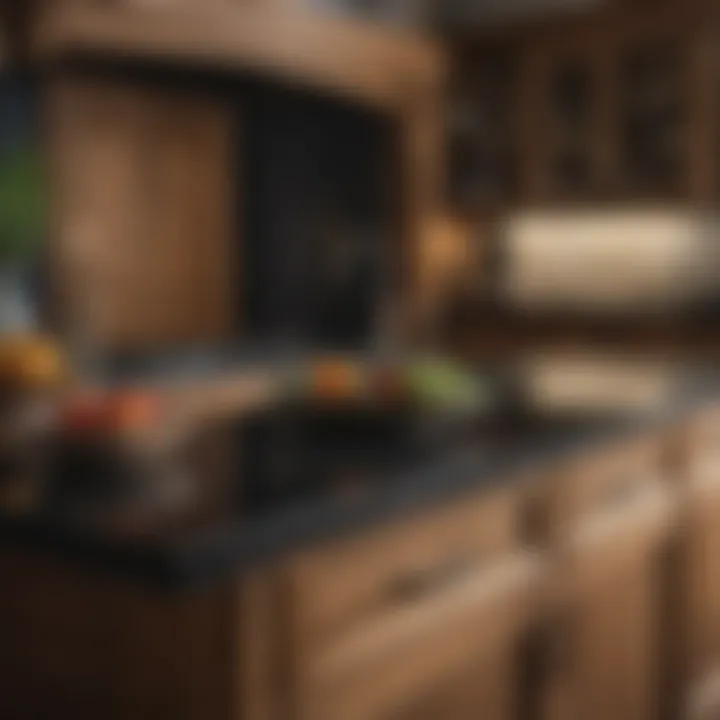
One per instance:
[(413, 586), (503, 591), (625, 492), (649, 514)]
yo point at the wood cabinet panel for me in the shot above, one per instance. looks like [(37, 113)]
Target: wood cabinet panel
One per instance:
[(616, 105), (696, 576), (603, 652), (422, 656), (82, 644), (338, 587), (603, 482), (418, 621), (144, 215)]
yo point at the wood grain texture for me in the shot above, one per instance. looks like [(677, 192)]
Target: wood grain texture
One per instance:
[(697, 579), (368, 643), (601, 41), (350, 58), (83, 645), (143, 214), (603, 647), (337, 586)]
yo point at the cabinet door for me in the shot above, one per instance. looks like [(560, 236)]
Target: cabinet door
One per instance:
[(698, 574), (419, 621), (567, 139), (603, 646), (654, 116), (484, 128), (445, 652), (144, 214)]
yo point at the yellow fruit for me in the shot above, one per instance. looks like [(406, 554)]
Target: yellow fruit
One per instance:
[(31, 362)]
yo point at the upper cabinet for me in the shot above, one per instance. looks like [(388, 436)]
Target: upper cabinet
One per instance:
[(483, 127), (653, 114), (562, 140), (143, 215), (614, 106)]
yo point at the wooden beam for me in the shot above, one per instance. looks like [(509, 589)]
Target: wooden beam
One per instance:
[(361, 61)]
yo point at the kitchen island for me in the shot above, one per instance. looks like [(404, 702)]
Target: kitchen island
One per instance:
[(445, 589)]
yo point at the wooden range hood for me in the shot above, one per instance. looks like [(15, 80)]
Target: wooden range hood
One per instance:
[(108, 234), (366, 63)]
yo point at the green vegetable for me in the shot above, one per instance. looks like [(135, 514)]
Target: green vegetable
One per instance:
[(22, 203), (441, 385)]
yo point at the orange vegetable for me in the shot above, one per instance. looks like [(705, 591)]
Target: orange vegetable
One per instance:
[(337, 380), (133, 410)]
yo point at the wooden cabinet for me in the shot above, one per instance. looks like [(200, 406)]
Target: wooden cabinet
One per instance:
[(616, 105), (421, 621), (602, 656), (483, 127), (144, 212), (565, 148), (696, 578), (654, 105)]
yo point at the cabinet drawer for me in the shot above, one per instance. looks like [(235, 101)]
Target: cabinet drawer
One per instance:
[(704, 428), (607, 538), (604, 481), (400, 658), (338, 588)]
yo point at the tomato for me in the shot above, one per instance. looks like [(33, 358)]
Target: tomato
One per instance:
[(132, 410), (113, 412), (85, 413)]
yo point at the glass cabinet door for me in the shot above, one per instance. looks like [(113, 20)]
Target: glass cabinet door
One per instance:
[(482, 128), (572, 107), (652, 117), (566, 147)]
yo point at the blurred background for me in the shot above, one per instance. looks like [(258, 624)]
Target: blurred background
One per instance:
[(357, 359)]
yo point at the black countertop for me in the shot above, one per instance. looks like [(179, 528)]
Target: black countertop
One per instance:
[(228, 548)]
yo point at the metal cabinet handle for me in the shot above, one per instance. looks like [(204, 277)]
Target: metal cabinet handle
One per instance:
[(413, 586)]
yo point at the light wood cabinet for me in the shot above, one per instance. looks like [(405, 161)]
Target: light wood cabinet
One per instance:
[(421, 622), (144, 219), (602, 657), (696, 574)]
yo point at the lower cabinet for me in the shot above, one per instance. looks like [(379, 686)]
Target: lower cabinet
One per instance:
[(422, 622), (603, 640), (443, 616), (697, 572)]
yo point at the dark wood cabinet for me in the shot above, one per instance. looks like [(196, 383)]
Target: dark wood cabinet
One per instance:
[(654, 107), (483, 128), (617, 105), (564, 147)]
